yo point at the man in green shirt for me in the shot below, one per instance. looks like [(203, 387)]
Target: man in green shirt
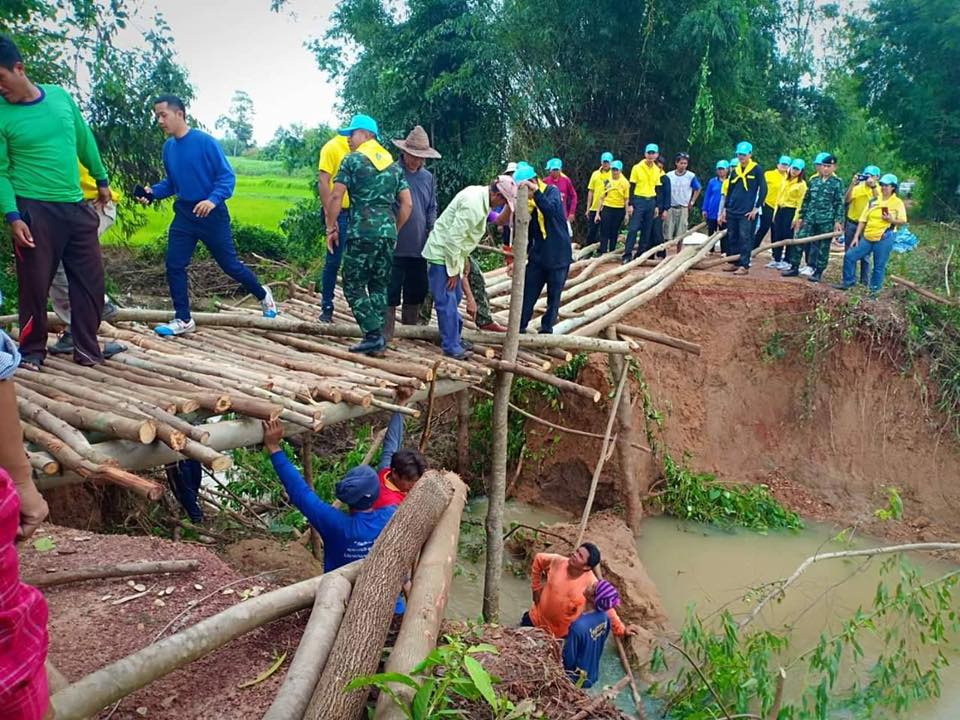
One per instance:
[(377, 186), (42, 133)]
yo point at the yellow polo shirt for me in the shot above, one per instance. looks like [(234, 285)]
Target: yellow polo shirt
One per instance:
[(618, 192), (597, 182), (860, 198), (331, 155), (875, 225), (646, 179), (791, 194), (774, 180)]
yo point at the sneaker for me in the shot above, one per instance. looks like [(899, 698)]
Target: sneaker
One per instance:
[(806, 270), (783, 265), (774, 264), (493, 327), (815, 277), (462, 355), (269, 306), (109, 311), (792, 271), (326, 317), (64, 344), (741, 271), (175, 327), (372, 343), (466, 345)]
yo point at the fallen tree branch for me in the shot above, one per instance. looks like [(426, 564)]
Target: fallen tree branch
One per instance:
[(922, 291), (658, 337), (101, 572), (97, 690), (703, 677), (781, 588), (606, 696)]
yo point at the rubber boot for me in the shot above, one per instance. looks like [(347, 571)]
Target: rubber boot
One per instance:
[(409, 314), (371, 344), (389, 323)]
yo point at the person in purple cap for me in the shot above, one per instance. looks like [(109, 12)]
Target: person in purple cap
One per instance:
[(588, 634)]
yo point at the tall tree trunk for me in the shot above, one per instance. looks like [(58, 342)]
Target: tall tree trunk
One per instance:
[(501, 407), (634, 487)]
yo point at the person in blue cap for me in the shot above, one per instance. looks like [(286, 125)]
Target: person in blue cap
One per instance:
[(557, 178), (347, 536), (549, 252), (598, 183), (711, 197), (790, 199), (740, 204), (821, 213), (862, 191), (646, 178), (775, 179), (614, 207), (380, 205), (875, 235)]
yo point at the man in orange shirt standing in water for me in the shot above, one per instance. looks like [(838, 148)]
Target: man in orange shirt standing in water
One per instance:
[(558, 584)]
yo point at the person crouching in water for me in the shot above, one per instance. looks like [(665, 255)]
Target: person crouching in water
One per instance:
[(550, 253), (588, 634)]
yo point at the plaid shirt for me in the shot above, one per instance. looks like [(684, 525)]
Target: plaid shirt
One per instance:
[(23, 623)]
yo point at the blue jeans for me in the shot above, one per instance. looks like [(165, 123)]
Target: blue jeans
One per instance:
[(880, 250), (447, 303), (331, 266), (214, 232), (185, 478), (849, 230)]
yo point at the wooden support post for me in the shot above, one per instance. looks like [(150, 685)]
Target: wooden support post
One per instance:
[(633, 488), (425, 435), (463, 431), (501, 407), (306, 459)]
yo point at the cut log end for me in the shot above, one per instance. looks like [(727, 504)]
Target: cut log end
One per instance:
[(221, 463), (187, 405), (148, 433)]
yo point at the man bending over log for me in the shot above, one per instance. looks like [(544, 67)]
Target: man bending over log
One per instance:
[(399, 469), (558, 584), (588, 633), (346, 536)]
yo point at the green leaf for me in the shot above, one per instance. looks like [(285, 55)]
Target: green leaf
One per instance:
[(421, 700), (44, 544), (381, 679), (481, 678)]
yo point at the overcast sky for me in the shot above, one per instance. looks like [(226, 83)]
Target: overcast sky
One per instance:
[(229, 45)]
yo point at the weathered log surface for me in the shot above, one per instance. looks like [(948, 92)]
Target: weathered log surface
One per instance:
[(100, 572)]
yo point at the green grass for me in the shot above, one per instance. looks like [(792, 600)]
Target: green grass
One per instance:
[(262, 196)]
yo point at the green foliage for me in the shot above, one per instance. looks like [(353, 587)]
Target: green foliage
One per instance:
[(911, 621), (297, 148), (448, 677), (894, 508), (698, 496)]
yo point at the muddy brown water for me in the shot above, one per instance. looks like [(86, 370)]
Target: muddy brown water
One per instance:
[(712, 569)]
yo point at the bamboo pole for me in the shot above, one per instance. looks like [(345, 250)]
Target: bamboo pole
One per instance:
[(97, 690), (430, 590), (102, 572), (588, 506), (496, 497)]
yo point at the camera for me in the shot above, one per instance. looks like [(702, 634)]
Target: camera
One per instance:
[(861, 177)]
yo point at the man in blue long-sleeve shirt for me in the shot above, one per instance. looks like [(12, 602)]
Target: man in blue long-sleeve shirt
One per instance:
[(550, 252), (740, 204), (346, 536), (200, 176)]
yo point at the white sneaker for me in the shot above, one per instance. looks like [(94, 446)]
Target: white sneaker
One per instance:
[(783, 265), (773, 264), (806, 270), (269, 306), (175, 327)]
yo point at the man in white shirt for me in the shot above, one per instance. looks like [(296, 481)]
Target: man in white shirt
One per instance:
[(684, 191)]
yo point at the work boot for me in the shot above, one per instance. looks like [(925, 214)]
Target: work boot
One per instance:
[(794, 271), (63, 345), (389, 323), (409, 314), (371, 344)]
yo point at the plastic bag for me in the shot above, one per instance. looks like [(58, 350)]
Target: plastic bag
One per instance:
[(904, 240)]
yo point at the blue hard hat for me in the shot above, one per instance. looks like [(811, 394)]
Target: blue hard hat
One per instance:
[(652, 147), (784, 160), (525, 171), (723, 164), (889, 179), (617, 165), (360, 122), (744, 148), (798, 163), (554, 164), (606, 157), (872, 170)]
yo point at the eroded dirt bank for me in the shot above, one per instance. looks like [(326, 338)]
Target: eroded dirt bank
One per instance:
[(828, 438)]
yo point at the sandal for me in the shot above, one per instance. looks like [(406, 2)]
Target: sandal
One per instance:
[(32, 362)]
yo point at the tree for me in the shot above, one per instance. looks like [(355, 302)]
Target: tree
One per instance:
[(297, 147), (908, 56), (239, 122)]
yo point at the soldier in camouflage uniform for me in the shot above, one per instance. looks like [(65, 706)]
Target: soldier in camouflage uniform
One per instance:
[(376, 186), (822, 212)]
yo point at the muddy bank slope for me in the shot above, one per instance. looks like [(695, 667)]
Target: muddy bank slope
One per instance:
[(828, 438)]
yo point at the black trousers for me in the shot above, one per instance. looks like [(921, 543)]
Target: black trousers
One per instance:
[(408, 280), (535, 278), (766, 221), (611, 220), (641, 221), (739, 238), (656, 234), (64, 232), (782, 229), (593, 228)]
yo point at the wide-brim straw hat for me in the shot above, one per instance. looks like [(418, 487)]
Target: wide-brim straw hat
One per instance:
[(417, 144)]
